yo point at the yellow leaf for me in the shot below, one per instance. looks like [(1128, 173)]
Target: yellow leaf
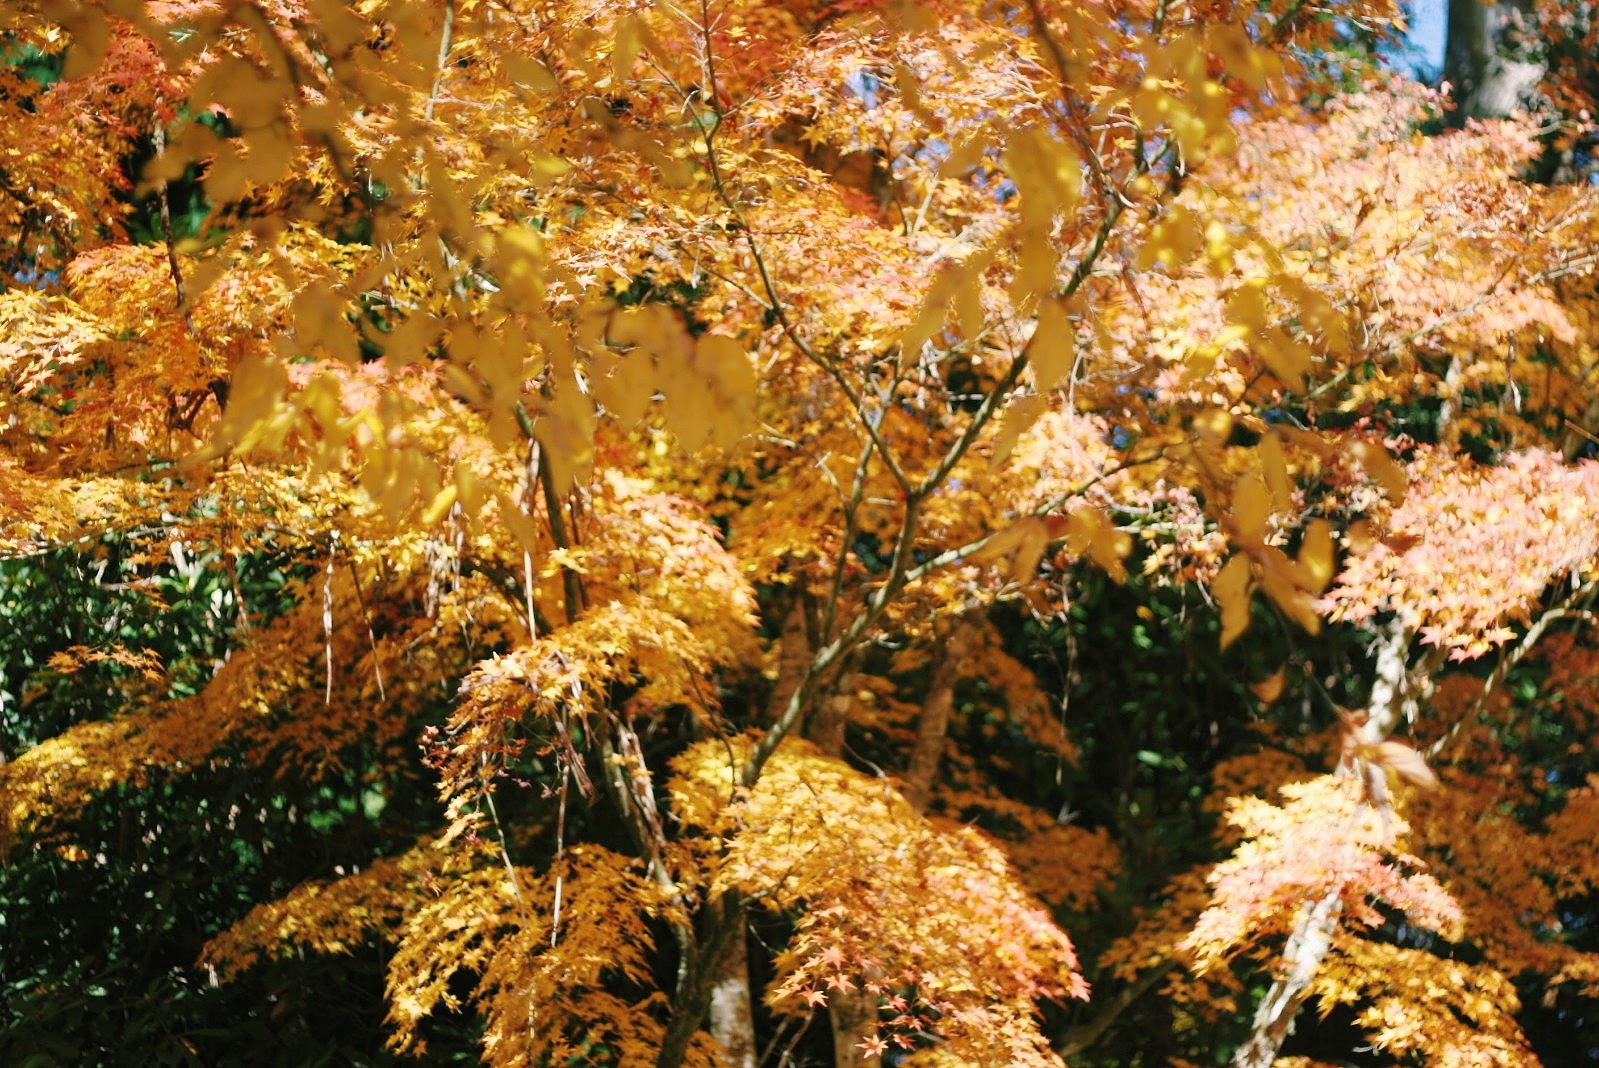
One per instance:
[(626, 388), (1020, 414), (1280, 580), (1247, 305), (730, 377), (1213, 427), (949, 289), (256, 392), (1381, 469), (1405, 762), (1239, 56), (1024, 541), (1274, 465), (1047, 173), (91, 37), (520, 524), (565, 430), (1036, 265), (1361, 537), (441, 504), (629, 43), (1270, 688), (1285, 356), (1173, 241), (1054, 345), (1251, 509), (1316, 556), (530, 72), (1231, 587), (1093, 532)]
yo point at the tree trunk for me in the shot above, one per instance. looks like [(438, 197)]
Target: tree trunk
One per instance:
[(732, 1018), (1396, 695), (853, 1015), (794, 654), (1307, 947), (721, 922), (933, 725), (828, 719), (1488, 81)]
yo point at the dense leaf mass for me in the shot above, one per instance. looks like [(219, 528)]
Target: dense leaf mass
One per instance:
[(838, 532)]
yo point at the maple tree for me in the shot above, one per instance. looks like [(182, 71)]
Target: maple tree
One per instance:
[(640, 522)]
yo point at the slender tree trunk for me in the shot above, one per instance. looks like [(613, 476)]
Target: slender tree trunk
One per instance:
[(732, 1017), (1307, 947), (1448, 428), (1396, 695), (852, 1013), (830, 716), (794, 654), (731, 1007), (1488, 81), (719, 932), (932, 727)]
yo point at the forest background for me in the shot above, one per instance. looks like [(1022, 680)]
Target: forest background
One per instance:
[(816, 533)]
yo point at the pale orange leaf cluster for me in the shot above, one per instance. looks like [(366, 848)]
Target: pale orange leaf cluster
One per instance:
[(1476, 548)]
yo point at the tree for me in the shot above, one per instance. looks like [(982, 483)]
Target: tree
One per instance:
[(1500, 58), (1490, 82), (696, 426)]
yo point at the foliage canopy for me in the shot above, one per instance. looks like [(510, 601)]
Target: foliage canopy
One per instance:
[(568, 514)]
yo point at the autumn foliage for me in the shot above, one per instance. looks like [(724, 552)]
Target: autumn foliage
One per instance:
[(697, 481)]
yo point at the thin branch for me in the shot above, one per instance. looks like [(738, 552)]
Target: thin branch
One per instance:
[(1082, 1037), (327, 616), (571, 581), (164, 199), (962, 552), (852, 505), (899, 570), (774, 301), (445, 44), (534, 466), (366, 617), (1569, 607)]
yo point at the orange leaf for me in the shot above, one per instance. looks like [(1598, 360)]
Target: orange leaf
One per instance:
[(1269, 688)]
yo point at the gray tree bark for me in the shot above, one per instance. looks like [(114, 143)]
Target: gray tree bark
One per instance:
[(732, 1017), (1488, 81), (1396, 696)]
